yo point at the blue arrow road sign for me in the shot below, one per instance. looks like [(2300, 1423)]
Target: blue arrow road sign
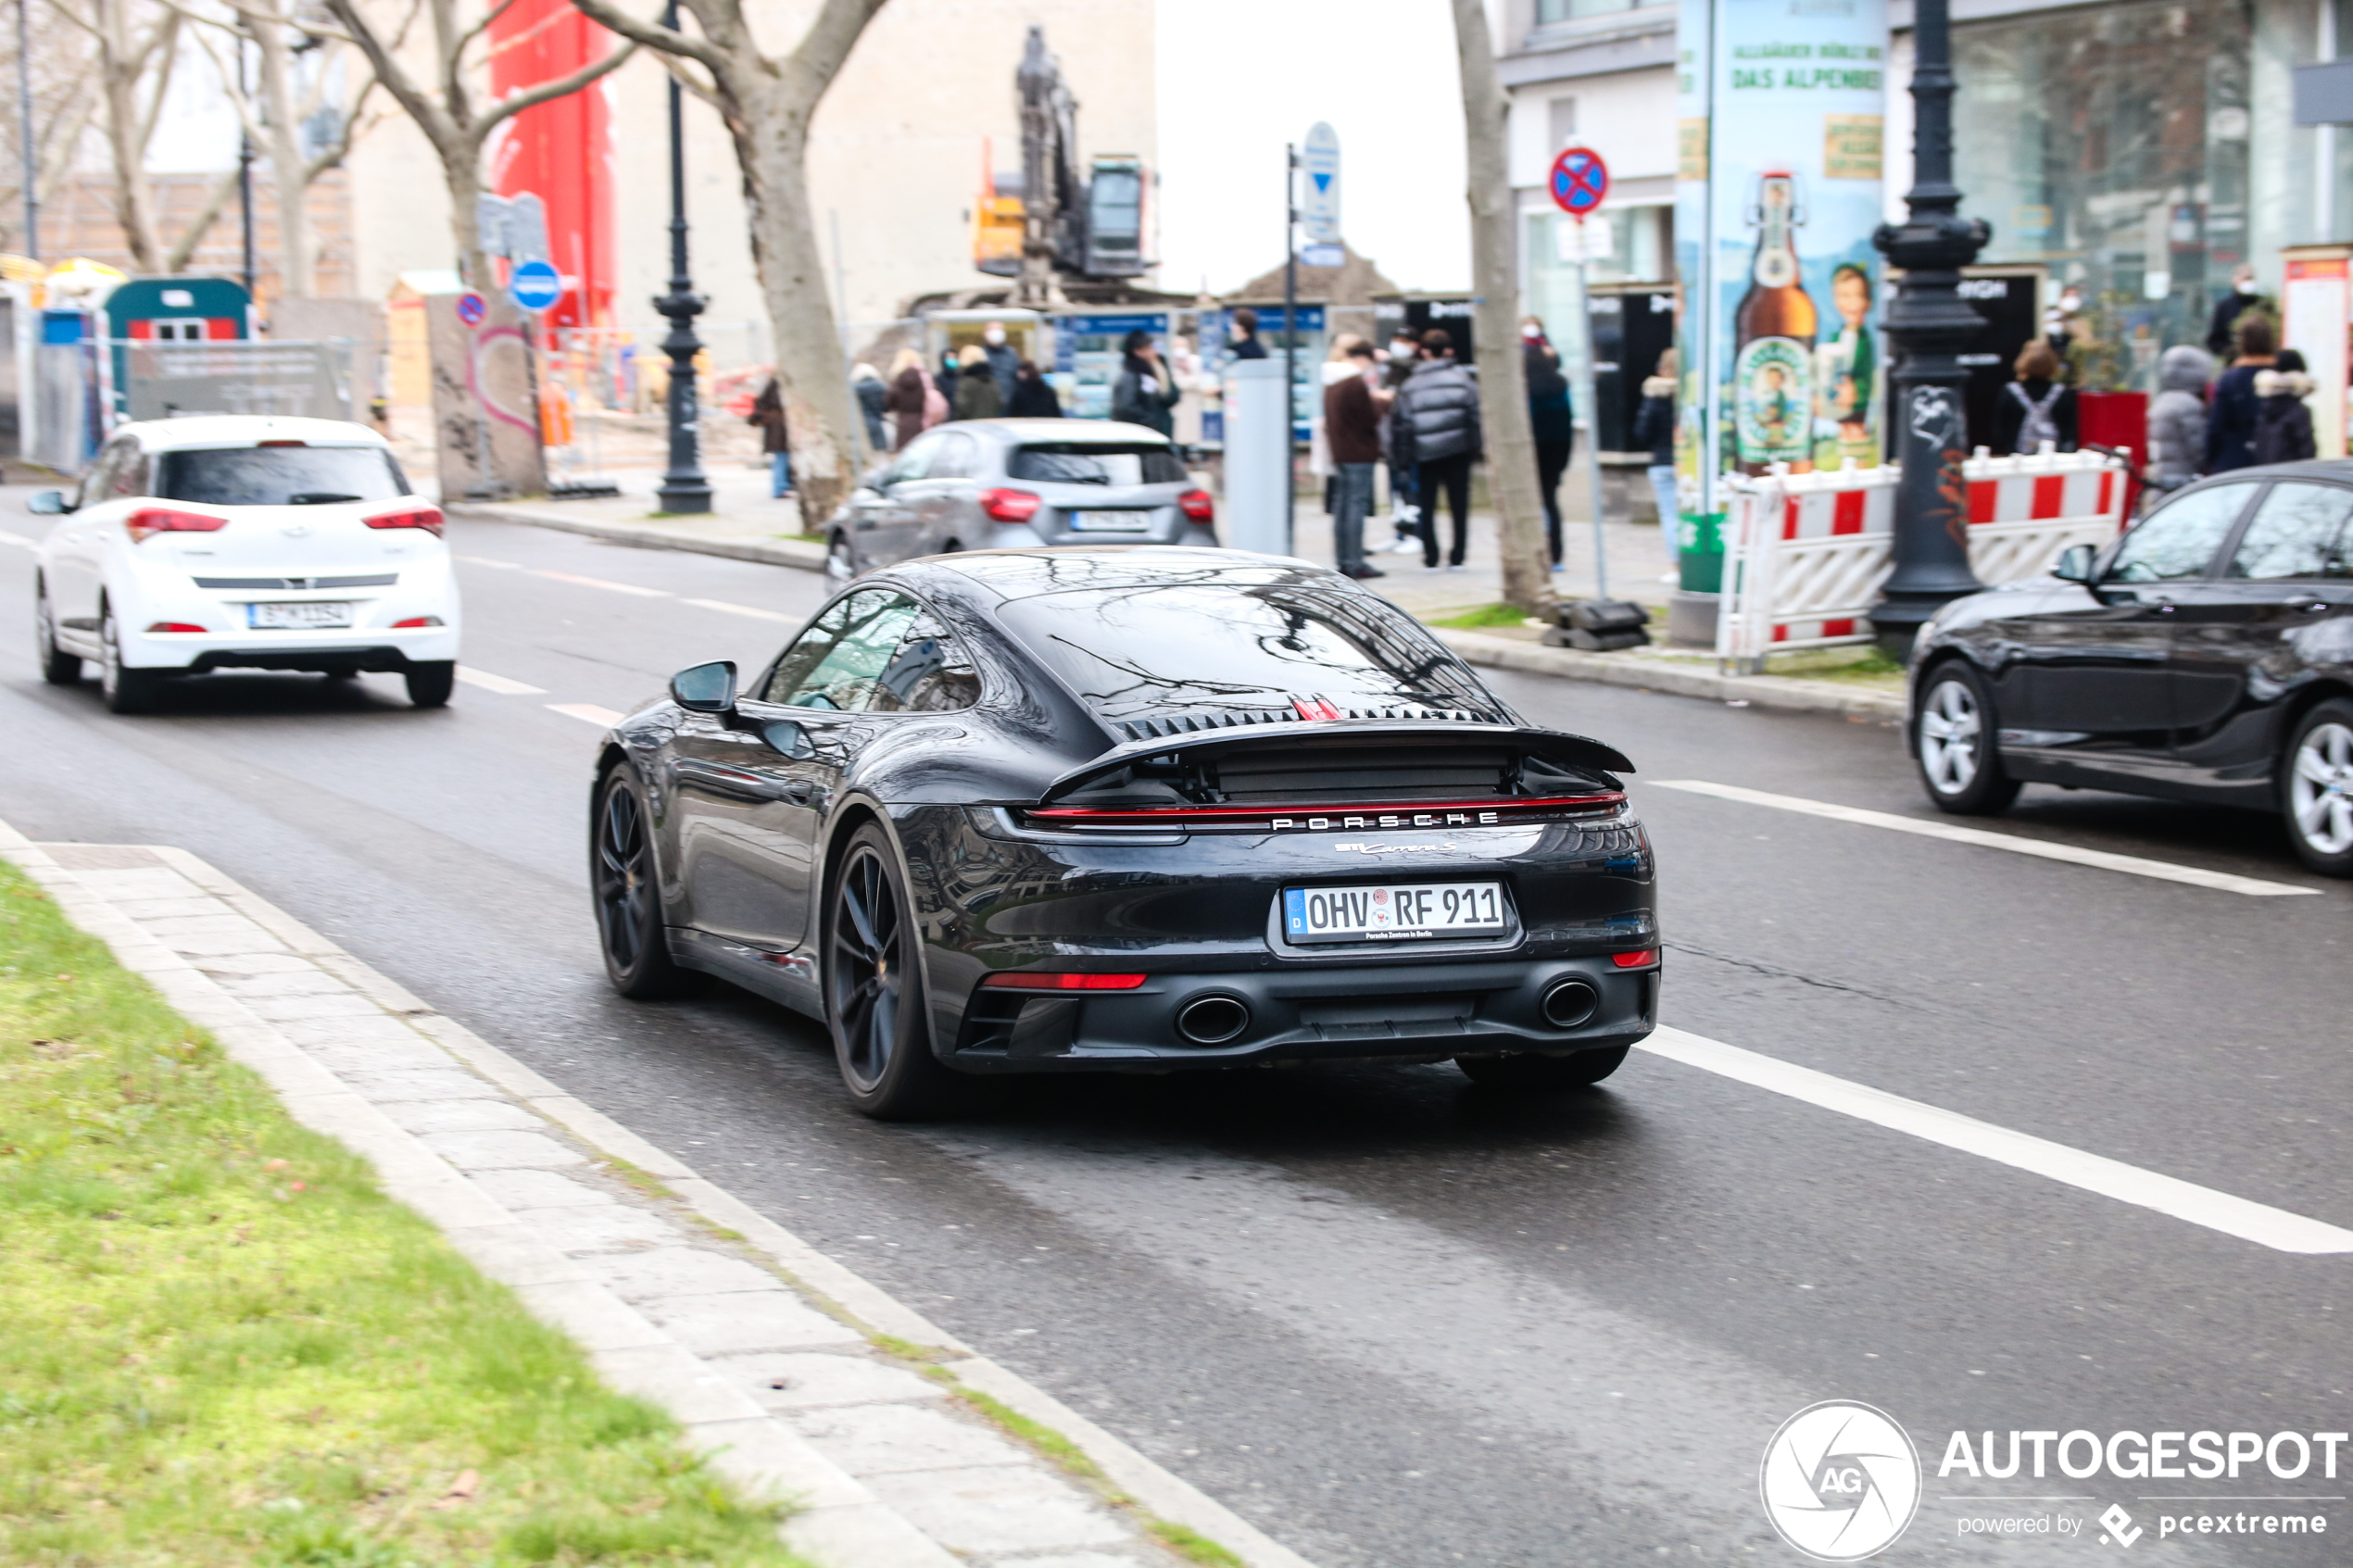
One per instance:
[(535, 285), (1319, 203)]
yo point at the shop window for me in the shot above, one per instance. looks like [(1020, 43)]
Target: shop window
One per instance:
[(2111, 145)]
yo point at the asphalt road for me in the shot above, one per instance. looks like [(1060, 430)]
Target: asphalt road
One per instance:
[(1394, 1320)]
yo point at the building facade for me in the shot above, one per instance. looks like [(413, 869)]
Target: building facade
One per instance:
[(2137, 151)]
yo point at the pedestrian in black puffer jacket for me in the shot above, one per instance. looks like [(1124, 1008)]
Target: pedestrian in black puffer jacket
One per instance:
[(1435, 425), (2283, 423)]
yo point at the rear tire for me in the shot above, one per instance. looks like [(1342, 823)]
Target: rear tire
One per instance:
[(431, 684), (57, 666), (125, 690), (625, 884), (1579, 1071), (874, 1003), (1953, 730), (2316, 788)]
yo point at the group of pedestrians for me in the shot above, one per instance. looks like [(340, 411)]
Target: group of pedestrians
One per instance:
[(981, 381), (2253, 412), (1420, 415)]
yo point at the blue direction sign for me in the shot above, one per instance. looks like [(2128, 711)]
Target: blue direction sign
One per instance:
[(535, 285), (1319, 203), (1580, 181)]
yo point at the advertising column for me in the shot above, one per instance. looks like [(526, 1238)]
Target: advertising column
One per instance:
[(1777, 195)]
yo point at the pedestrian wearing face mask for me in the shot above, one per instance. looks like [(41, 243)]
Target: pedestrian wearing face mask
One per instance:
[(2218, 338), (1144, 392), (1002, 361)]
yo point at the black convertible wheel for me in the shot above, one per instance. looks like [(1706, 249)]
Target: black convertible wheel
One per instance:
[(1579, 1071), (1953, 736), (874, 990), (627, 890)]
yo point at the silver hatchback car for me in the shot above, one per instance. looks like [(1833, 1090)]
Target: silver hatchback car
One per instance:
[(981, 484)]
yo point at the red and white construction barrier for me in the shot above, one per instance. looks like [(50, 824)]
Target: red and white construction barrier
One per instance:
[(1805, 554)]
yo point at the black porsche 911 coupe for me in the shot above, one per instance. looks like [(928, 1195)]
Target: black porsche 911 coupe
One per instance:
[(1144, 810)]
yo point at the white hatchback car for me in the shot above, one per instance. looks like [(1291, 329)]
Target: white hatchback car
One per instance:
[(245, 542)]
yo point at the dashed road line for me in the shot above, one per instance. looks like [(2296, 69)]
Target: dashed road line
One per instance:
[(2240, 1217), (500, 565), (17, 539), (578, 581), (723, 606), (2162, 871), (499, 683), (603, 718)]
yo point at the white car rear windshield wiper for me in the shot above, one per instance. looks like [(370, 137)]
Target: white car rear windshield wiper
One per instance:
[(317, 497)]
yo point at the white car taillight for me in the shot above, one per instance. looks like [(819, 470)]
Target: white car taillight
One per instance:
[(427, 518), (148, 522)]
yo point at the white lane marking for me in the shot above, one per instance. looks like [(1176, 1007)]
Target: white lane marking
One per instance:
[(2249, 1221), (499, 683), (738, 609), (603, 718), (17, 539), (2225, 881), (501, 565), (598, 583)]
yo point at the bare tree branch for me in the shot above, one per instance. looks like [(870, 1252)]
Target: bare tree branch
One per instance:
[(185, 246), (653, 35), (507, 107)]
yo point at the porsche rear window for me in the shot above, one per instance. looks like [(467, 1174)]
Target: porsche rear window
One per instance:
[(280, 476), (1087, 462), (1208, 649)]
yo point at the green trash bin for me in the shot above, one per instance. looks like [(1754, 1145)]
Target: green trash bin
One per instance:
[(1699, 552)]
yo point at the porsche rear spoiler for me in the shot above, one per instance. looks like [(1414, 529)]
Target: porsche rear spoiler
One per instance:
[(1550, 746)]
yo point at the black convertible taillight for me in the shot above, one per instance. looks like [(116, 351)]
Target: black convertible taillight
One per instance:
[(1327, 818)]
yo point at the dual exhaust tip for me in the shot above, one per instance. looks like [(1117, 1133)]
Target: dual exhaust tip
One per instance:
[(1216, 1019)]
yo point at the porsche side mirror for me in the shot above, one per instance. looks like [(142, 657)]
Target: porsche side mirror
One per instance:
[(705, 688), (48, 503), (2074, 564)]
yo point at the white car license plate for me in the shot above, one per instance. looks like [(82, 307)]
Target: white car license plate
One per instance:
[(1111, 523), (1393, 912), (299, 617)]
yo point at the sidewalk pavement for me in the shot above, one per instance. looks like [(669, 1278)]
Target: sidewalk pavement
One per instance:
[(768, 1353), (744, 522)]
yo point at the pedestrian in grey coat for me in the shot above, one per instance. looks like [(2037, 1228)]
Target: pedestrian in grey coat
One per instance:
[(2177, 417), (1435, 425)]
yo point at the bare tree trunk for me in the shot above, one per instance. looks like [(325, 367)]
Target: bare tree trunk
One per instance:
[(1503, 374), (820, 422), (768, 104), (286, 161), (120, 66)]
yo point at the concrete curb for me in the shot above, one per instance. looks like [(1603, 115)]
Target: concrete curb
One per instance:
[(883, 1478), (645, 535), (1657, 675)]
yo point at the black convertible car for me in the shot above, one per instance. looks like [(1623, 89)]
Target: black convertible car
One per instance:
[(1144, 810), (2205, 656)]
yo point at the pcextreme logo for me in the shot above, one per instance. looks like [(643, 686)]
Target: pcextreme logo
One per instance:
[(1841, 1481)]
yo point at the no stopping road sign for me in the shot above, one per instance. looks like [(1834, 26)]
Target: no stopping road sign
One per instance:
[(1580, 181)]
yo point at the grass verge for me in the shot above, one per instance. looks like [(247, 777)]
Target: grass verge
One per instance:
[(220, 1343), (1483, 617)]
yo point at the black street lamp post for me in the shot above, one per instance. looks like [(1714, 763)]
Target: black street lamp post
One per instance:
[(1928, 325), (683, 487)]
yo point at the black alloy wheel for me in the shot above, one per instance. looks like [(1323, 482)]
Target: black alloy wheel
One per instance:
[(57, 666), (125, 690), (430, 682), (1952, 740), (874, 989), (1579, 1071), (627, 886)]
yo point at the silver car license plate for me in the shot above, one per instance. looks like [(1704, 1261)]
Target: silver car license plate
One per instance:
[(301, 616), (1111, 523), (1393, 912)]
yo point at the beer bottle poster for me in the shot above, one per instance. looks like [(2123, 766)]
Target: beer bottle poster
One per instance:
[(1788, 164)]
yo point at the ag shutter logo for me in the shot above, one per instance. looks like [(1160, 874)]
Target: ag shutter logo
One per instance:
[(1840, 1481), (2120, 1526)]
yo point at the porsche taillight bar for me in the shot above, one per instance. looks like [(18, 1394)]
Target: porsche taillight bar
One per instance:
[(1319, 819)]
